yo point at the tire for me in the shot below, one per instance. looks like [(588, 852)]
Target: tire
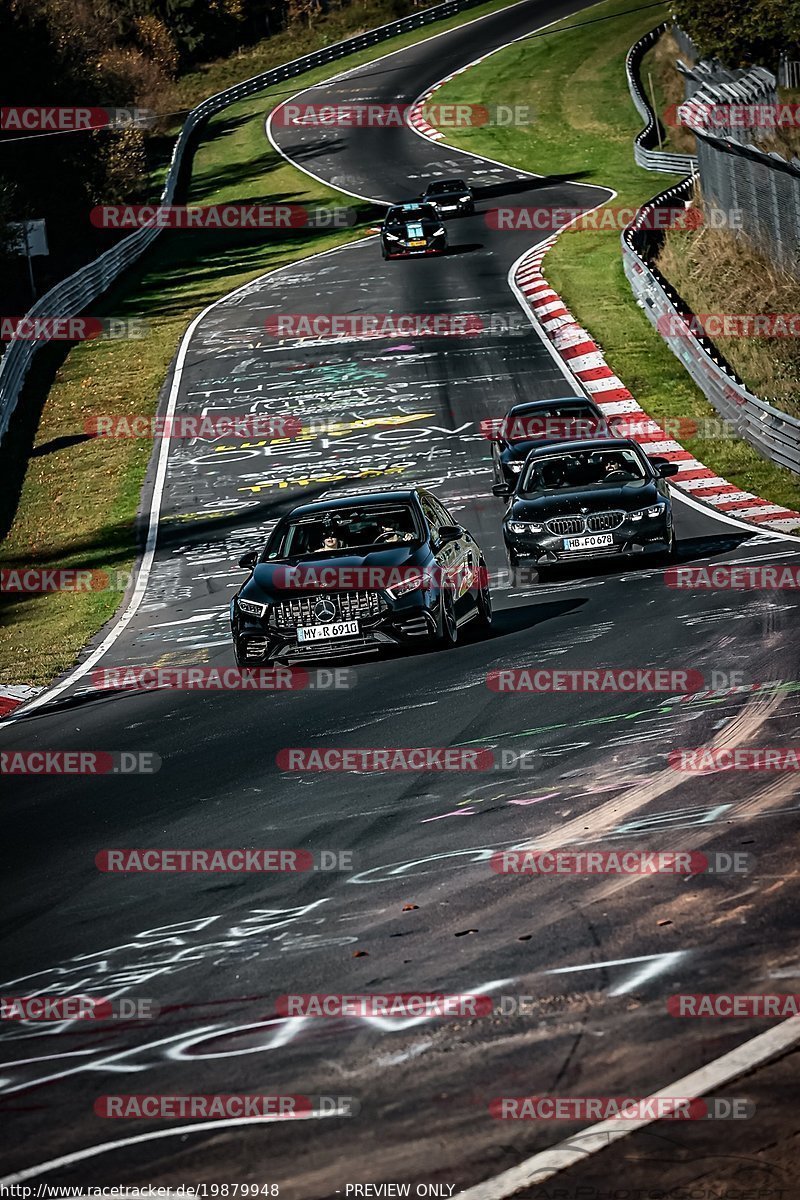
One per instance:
[(240, 662), (545, 571), (447, 637), (667, 556), (514, 569), (483, 622)]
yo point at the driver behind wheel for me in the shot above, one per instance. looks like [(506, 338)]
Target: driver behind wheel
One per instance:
[(390, 533)]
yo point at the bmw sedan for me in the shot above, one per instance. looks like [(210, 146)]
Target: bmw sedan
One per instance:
[(409, 230), (584, 500), (535, 423), (452, 197), (360, 573)]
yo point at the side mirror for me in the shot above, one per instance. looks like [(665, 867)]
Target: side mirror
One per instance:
[(248, 560), (501, 489), (450, 533), (665, 469)]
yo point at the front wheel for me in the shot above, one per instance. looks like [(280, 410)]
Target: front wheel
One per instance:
[(668, 555), (448, 629)]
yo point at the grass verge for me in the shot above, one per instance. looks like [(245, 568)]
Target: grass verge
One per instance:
[(716, 271), (586, 122), (71, 501)]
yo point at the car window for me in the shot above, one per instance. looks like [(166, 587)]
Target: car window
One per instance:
[(342, 529), (580, 469), (445, 518), (560, 421), (431, 515)]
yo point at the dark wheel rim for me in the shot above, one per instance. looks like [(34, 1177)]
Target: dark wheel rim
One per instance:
[(449, 620), (485, 604)]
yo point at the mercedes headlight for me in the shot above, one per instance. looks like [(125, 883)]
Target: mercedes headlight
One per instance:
[(411, 583), (251, 608)]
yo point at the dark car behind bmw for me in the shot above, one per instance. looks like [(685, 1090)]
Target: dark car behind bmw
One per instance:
[(452, 197), (584, 500), (535, 423), (414, 229), (360, 573)]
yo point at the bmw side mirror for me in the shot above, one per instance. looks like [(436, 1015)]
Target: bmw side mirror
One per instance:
[(450, 533), (248, 560), (665, 469), (501, 489)]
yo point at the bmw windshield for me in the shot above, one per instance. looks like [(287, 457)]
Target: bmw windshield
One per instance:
[(583, 469)]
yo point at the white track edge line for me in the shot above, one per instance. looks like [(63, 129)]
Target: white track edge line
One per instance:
[(547, 1163)]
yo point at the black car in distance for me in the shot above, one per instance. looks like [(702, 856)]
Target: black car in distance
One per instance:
[(584, 500), (411, 230), (360, 573), (452, 197)]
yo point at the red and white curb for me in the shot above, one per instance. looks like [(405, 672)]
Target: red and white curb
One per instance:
[(11, 696), (586, 361), (416, 115)]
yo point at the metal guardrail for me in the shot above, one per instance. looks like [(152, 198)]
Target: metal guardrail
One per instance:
[(70, 297), (774, 434), (647, 138)]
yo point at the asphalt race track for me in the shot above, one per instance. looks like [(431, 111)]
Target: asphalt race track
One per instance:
[(419, 909)]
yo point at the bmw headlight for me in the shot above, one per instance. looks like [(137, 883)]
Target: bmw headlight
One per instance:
[(463, 199), (524, 527), (516, 467), (438, 232), (391, 237), (655, 510), (250, 608), (411, 583)]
